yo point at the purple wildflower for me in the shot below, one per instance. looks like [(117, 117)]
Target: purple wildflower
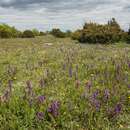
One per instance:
[(54, 108), (70, 72), (97, 104), (95, 94), (128, 86), (64, 66), (40, 115), (118, 108), (114, 112), (129, 65), (41, 99)]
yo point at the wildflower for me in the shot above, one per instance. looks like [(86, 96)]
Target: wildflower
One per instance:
[(95, 94), (95, 102), (118, 108), (40, 115), (97, 105), (128, 86), (14, 78), (92, 75), (64, 66), (129, 97), (129, 65), (70, 72), (121, 126), (41, 99), (54, 108)]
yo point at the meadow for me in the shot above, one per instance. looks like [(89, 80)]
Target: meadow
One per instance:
[(48, 83)]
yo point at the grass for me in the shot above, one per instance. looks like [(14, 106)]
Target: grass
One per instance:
[(63, 86)]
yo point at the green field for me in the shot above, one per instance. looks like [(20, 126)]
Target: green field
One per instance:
[(48, 83)]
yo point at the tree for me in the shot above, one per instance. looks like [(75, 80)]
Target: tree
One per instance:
[(36, 32), (58, 33), (98, 33), (28, 34), (42, 33)]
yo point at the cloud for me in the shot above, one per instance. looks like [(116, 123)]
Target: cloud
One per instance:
[(66, 14)]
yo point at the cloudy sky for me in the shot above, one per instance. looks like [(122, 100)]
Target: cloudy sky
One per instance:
[(65, 14)]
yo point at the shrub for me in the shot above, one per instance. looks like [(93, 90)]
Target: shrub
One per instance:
[(5, 34), (68, 33), (28, 34), (36, 32), (58, 33), (7, 31), (42, 33), (97, 33), (76, 35)]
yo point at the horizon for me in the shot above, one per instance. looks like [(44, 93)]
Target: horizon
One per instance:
[(66, 15)]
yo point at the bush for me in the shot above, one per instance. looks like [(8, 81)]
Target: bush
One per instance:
[(58, 33), (36, 32), (97, 33), (5, 34), (28, 34), (42, 34), (8, 32), (76, 35)]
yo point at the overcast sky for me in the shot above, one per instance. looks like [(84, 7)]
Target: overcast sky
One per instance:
[(65, 14)]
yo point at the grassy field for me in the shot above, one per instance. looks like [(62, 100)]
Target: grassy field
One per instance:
[(57, 84)]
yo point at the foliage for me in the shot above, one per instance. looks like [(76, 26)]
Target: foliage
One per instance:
[(36, 32), (58, 33), (97, 33), (76, 35), (68, 33), (65, 86), (7, 31), (28, 34), (42, 33), (128, 36)]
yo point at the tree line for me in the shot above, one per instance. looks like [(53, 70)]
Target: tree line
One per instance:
[(110, 32), (7, 31)]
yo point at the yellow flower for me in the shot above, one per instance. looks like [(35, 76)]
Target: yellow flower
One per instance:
[(121, 126), (129, 97), (92, 75), (15, 78)]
